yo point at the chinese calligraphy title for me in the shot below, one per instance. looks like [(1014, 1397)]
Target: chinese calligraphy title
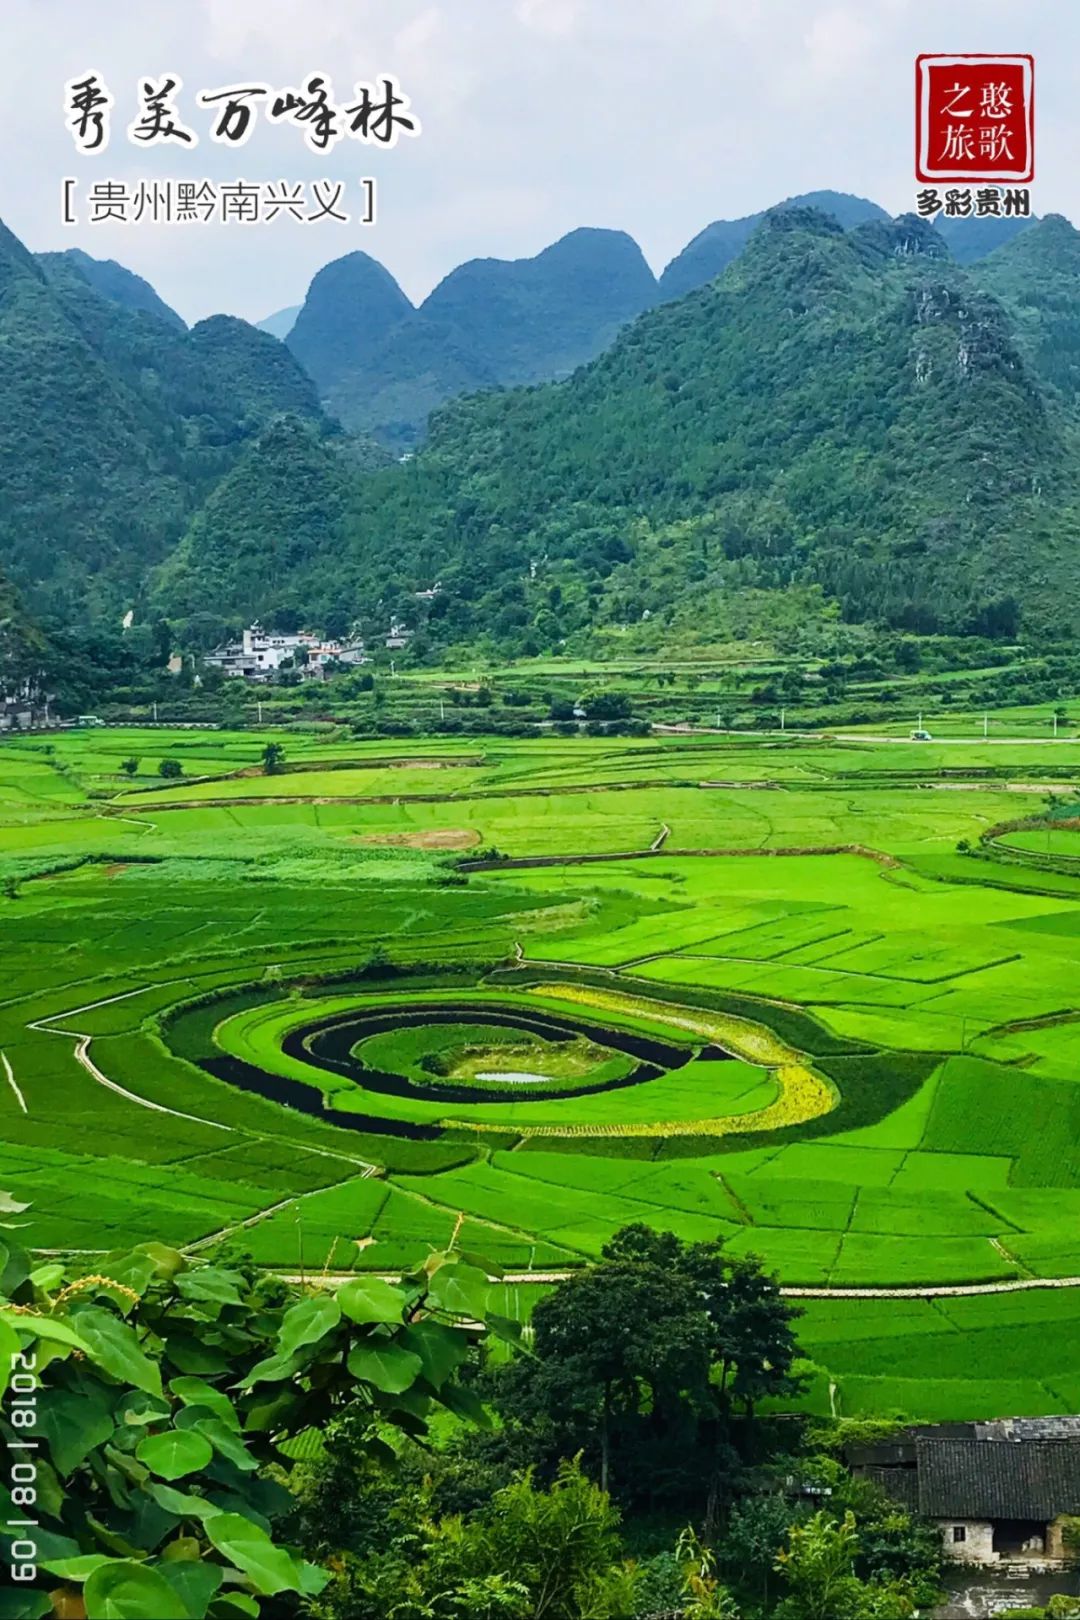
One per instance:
[(377, 114)]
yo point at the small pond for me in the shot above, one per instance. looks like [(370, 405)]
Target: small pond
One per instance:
[(514, 1077)]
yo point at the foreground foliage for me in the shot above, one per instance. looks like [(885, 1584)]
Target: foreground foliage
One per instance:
[(167, 1397)]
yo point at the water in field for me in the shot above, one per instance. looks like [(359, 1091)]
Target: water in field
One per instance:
[(981, 1594), (515, 1077)]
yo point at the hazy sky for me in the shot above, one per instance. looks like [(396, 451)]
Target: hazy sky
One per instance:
[(652, 116)]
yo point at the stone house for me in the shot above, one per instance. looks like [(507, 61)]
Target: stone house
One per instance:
[(998, 1491)]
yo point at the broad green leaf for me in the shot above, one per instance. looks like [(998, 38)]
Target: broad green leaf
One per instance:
[(232, 1604), (312, 1579), (308, 1321), (50, 1492), (165, 1261), (9, 1349), (47, 1276), (465, 1403), (385, 1364), (370, 1299), (441, 1348), (113, 1344), (173, 1454), (272, 1412), (226, 1442), (270, 1569), (44, 1327), (191, 1355), (74, 1423), (14, 1266), (210, 1283), (189, 1417), (194, 1582), (125, 1547), (24, 1604), (197, 1392), (75, 1569), (272, 1370), (461, 1289), (182, 1547), (126, 1466), (481, 1263), (124, 1590), (505, 1328), (185, 1504)]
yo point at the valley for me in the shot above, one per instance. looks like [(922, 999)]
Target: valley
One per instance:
[(830, 1017)]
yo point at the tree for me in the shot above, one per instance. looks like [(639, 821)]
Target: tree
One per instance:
[(164, 1396), (561, 1545), (643, 1361), (620, 1365), (606, 704), (756, 1527), (170, 769), (130, 767), (273, 757), (750, 1338)]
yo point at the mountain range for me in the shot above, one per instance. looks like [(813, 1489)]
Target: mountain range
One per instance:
[(842, 415), (382, 365)]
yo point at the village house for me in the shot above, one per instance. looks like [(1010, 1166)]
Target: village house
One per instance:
[(260, 653), (998, 1491), (397, 636)]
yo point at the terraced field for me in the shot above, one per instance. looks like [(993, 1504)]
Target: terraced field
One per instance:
[(516, 994)]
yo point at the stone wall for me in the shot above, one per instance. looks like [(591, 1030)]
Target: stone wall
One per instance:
[(977, 1546)]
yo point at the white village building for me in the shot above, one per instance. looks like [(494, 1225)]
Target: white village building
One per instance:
[(260, 653)]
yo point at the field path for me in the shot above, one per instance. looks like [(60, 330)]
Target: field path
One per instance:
[(938, 1291), (9, 1075), (48, 1026)]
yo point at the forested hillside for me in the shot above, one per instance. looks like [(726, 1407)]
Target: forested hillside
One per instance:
[(845, 411), (116, 423), (712, 250), (844, 421), (383, 366)]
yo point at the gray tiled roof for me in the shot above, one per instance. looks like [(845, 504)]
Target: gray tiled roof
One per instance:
[(902, 1484), (998, 1479)]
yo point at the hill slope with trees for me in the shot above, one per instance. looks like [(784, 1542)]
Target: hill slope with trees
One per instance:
[(845, 411)]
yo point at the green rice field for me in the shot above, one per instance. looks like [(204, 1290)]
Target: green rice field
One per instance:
[(817, 997)]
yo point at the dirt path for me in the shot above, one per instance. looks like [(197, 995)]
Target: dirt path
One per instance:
[(48, 1026), (938, 1291), (9, 1075)]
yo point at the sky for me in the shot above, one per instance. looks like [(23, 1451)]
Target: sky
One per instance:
[(537, 116)]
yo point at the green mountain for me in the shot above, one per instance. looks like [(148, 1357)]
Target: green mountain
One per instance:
[(252, 369), (351, 304), (23, 648), (91, 473), (114, 425), (113, 281), (713, 249), (840, 415), (1036, 275), (972, 239), (416, 368), (276, 519), (382, 366), (280, 323), (531, 320)]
